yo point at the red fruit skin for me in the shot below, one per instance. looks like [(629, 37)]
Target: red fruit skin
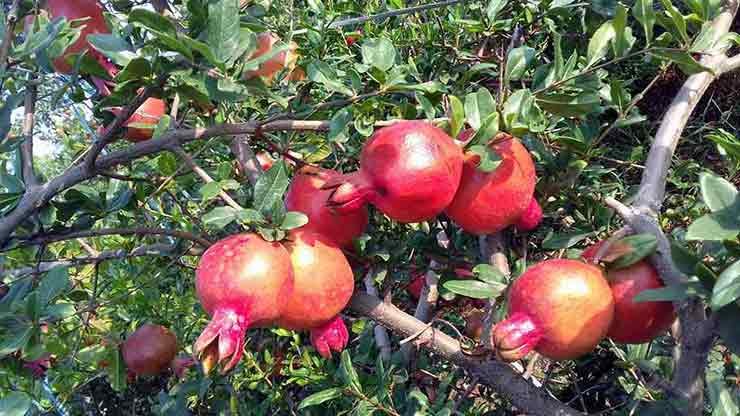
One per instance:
[(324, 283), (635, 322), (149, 113), (531, 218), (268, 69), (265, 160), (487, 203), (410, 171), (241, 281), (78, 9), (332, 336), (305, 195), (149, 350), (417, 283), (560, 308)]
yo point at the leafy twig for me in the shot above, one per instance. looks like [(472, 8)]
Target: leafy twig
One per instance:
[(204, 176), (7, 41), (51, 238)]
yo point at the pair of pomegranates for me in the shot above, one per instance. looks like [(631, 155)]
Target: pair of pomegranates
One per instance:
[(412, 171), (564, 308), (244, 281)]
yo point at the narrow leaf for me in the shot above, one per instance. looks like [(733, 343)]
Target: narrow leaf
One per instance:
[(727, 288)]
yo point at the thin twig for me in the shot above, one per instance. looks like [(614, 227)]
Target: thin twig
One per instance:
[(51, 238), (245, 157), (29, 174), (493, 251), (10, 22), (204, 176)]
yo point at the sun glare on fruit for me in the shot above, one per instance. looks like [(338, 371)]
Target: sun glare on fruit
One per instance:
[(303, 256), (418, 158)]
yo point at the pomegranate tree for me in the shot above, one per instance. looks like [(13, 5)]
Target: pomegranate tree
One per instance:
[(268, 69), (323, 285), (241, 281), (560, 308), (305, 195), (488, 202), (410, 171), (634, 322), (149, 350)]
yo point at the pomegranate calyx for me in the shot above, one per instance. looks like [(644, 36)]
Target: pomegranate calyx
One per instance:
[(514, 337), (332, 336), (222, 341), (351, 192)]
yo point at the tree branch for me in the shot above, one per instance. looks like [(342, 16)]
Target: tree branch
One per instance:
[(493, 251), (496, 374), (245, 157), (381, 335), (7, 41), (29, 174), (51, 238), (731, 64), (425, 306)]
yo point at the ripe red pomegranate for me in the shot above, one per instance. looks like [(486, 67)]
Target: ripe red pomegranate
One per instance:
[(410, 171), (149, 350), (92, 10), (488, 202), (531, 218), (268, 69), (305, 195), (140, 126), (560, 308), (635, 322), (323, 285), (241, 281)]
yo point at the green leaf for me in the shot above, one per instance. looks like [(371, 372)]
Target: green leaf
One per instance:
[(679, 24), (54, 283), (12, 342), (116, 370), (567, 105), (210, 190), (152, 21), (294, 219), (716, 226), (682, 58), (727, 288), (474, 288), (349, 374), (223, 33), (112, 46), (489, 159), (727, 319), (219, 217), (12, 102), (493, 8), (684, 259), (478, 106), (723, 398), (321, 397), (623, 39), (249, 216), (325, 75), (270, 188), (717, 193), (379, 53), (673, 293), (15, 403), (519, 60), (456, 115), (599, 43), (642, 246), (557, 241), (644, 13), (339, 126), (489, 274), (728, 143), (485, 134)]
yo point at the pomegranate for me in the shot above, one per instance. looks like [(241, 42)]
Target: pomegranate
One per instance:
[(140, 126), (560, 308), (488, 202), (241, 281), (323, 285), (305, 195), (531, 217), (149, 350), (91, 10), (418, 280), (268, 69), (297, 74), (474, 321), (635, 322), (410, 171)]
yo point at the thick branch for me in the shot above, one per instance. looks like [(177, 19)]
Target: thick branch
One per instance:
[(51, 238), (381, 334), (7, 41), (652, 188), (29, 174), (425, 307), (496, 374)]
